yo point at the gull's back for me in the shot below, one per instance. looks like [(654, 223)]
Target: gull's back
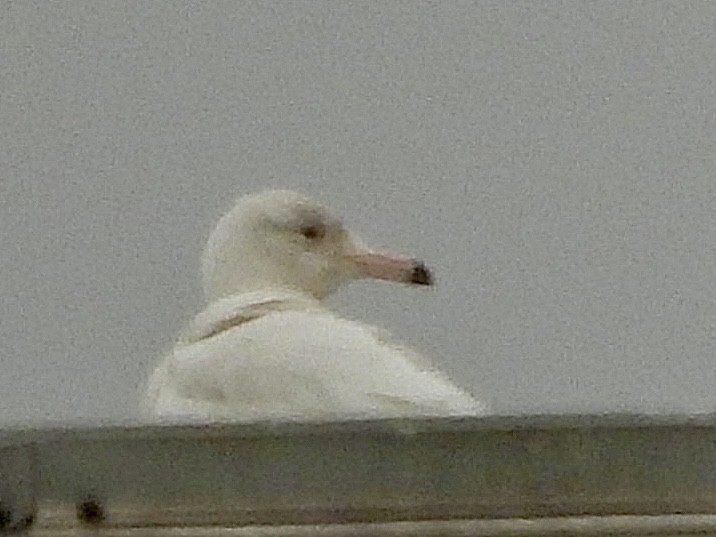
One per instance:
[(308, 364)]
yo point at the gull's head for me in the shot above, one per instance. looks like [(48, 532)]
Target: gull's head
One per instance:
[(283, 239)]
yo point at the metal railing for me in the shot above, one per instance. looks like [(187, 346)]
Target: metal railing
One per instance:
[(489, 475)]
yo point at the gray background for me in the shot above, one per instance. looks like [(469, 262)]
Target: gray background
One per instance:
[(552, 161)]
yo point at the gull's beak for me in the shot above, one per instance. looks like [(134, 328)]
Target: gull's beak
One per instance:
[(366, 263), (386, 266), (392, 267)]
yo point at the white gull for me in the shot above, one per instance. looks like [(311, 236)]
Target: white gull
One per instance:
[(267, 347)]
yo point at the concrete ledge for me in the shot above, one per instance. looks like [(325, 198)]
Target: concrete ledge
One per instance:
[(478, 473)]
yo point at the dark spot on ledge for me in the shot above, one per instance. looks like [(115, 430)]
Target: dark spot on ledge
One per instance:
[(28, 521), (90, 511), (5, 517), (6, 523)]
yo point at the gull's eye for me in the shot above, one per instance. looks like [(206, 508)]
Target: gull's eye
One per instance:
[(313, 232)]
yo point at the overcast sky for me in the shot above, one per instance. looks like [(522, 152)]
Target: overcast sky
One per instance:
[(553, 162)]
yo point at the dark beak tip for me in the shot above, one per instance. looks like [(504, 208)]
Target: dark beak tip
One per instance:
[(421, 275)]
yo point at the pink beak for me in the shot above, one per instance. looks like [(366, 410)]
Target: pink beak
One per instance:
[(392, 267)]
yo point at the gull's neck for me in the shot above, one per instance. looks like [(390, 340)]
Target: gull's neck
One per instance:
[(237, 309)]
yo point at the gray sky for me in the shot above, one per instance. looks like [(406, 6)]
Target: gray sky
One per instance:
[(552, 161)]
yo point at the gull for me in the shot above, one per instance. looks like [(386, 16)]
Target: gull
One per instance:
[(268, 347)]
